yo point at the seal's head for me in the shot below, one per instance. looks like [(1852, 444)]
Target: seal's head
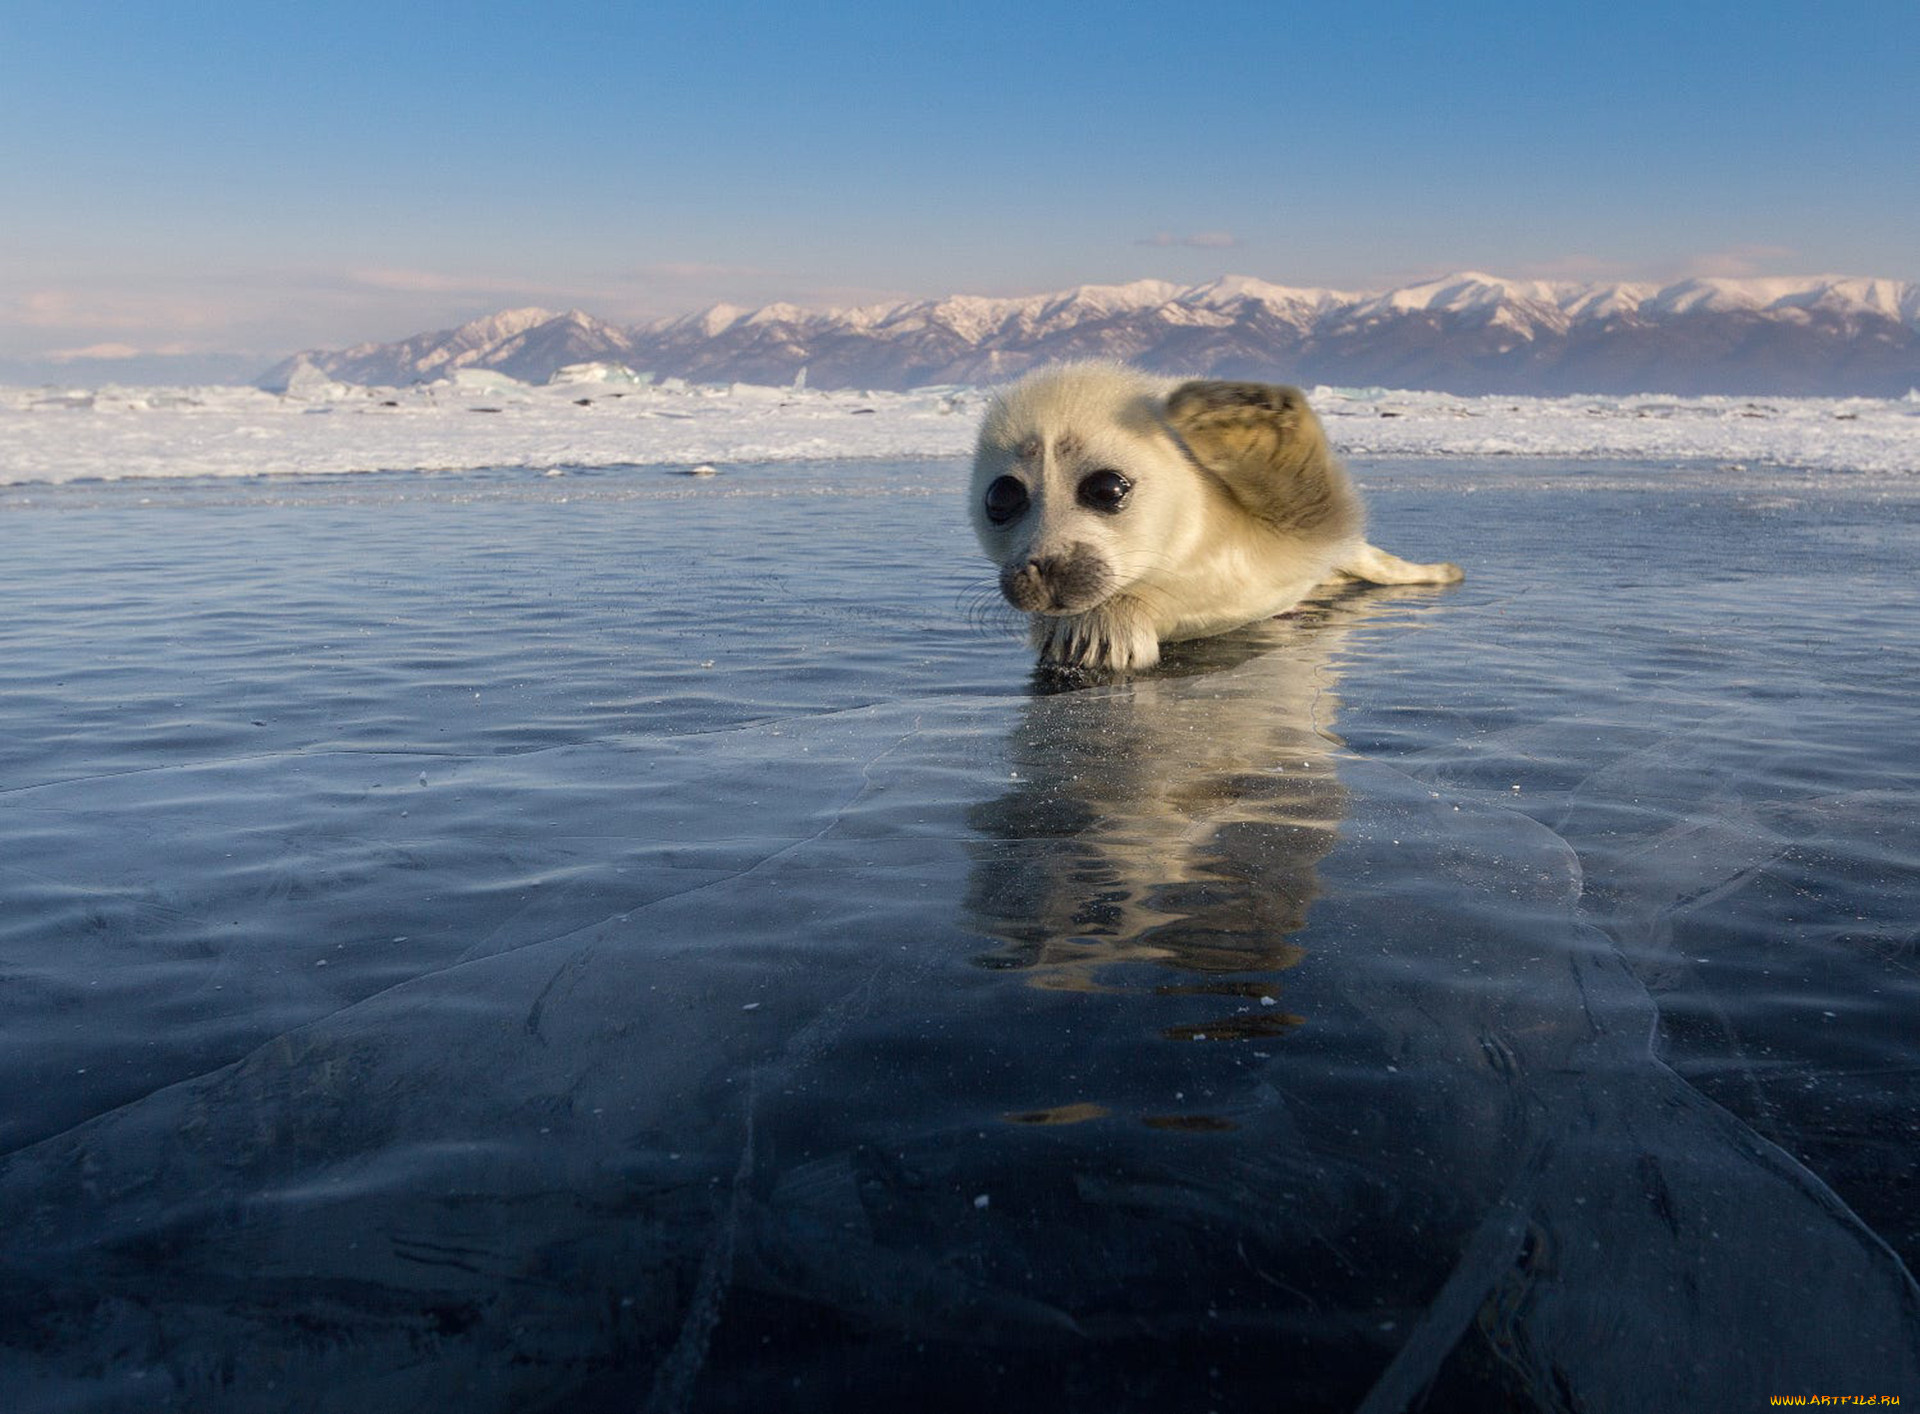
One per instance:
[(1079, 489)]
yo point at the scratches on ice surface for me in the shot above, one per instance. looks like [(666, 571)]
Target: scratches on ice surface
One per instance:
[(129, 433), (309, 855), (679, 1368), (1621, 1168), (756, 1114)]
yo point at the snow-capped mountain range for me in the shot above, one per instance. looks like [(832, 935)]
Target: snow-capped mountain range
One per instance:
[(1467, 333)]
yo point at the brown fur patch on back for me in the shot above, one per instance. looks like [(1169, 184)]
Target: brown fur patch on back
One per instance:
[(1268, 449)]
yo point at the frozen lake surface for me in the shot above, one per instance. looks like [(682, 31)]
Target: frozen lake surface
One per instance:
[(618, 941)]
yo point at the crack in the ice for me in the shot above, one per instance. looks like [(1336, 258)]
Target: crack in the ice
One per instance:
[(614, 740), (674, 1380), (532, 1022)]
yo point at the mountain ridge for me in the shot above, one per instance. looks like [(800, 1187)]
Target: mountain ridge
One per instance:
[(1467, 332)]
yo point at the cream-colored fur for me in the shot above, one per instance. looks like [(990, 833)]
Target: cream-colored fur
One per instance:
[(1233, 508)]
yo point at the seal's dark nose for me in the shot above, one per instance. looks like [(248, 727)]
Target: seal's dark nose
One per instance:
[(1069, 582), (1025, 585)]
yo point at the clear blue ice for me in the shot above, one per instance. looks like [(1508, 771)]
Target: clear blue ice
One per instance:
[(613, 942)]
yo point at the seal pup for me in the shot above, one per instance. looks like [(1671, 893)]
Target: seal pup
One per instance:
[(1126, 511)]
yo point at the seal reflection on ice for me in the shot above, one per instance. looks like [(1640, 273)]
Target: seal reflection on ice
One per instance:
[(1126, 511)]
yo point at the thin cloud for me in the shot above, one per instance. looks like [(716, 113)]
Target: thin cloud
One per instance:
[(1734, 262), (116, 351), (667, 289), (1578, 267), (394, 280), (1197, 240), (699, 270), (70, 310), (104, 310), (1742, 260), (102, 351)]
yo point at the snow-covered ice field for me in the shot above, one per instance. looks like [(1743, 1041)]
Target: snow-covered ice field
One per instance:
[(484, 420)]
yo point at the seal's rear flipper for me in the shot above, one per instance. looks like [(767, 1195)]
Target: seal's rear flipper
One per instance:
[(1376, 566)]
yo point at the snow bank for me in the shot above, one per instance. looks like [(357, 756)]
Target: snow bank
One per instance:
[(322, 427), (1822, 434)]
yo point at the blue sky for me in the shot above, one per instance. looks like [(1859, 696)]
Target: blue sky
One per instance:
[(235, 181)]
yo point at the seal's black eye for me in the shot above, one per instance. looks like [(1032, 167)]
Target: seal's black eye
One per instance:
[(1006, 498), (1104, 491)]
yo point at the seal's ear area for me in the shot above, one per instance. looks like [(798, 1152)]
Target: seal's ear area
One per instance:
[(1264, 443)]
